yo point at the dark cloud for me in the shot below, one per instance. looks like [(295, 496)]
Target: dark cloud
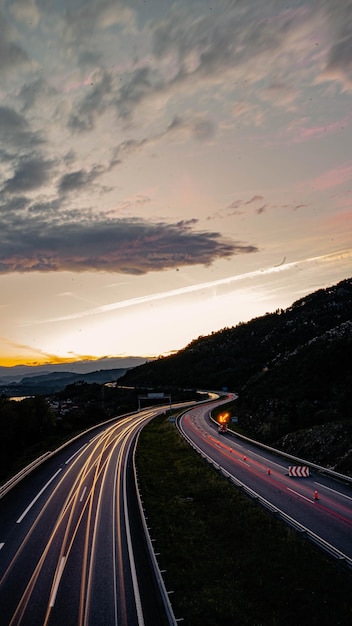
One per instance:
[(124, 246), (86, 24), (200, 126), (11, 53), (341, 55), (35, 90), (93, 104), (75, 181), (228, 38), (254, 199), (30, 173), (238, 203), (339, 62), (14, 204), (261, 209), (235, 204), (136, 87), (15, 130), (11, 121), (91, 15), (125, 148)]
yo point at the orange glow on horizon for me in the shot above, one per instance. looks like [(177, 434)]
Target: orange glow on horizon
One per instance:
[(13, 361)]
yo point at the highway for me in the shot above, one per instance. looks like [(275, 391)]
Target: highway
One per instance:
[(318, 505), (71, 545)]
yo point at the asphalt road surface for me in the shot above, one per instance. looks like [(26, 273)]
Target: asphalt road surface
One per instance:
[(71, 545), (318, 503)]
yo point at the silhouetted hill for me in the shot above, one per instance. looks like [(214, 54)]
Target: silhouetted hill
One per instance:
[(230, 357), (292, 369), (16, 373)]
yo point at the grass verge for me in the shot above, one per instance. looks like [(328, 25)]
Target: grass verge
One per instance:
[(229, 562)]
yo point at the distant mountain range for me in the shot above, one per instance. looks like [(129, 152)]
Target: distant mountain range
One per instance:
[(17, 372), (21, 380)]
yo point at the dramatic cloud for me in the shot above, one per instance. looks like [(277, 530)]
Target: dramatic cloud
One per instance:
[(30, 174), (125, 246), (110, 84)]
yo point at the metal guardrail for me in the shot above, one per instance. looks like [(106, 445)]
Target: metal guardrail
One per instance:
[(22, 474), (12, 482), (158, 575), (318, 468), (313, 537)]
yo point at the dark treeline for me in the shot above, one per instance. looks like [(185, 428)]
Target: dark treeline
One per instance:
[(24, 424), (34, 425)]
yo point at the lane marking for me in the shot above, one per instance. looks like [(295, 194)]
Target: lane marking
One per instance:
[(260, 457), (37, 496), (338, 493), (83, 492), (299, 494), (57, 582), (75, 454), (1, 545)]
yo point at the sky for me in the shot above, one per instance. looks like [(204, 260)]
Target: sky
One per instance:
[(167, 169)]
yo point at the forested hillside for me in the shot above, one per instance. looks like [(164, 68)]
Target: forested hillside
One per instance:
[(292, 370), (232, 356)]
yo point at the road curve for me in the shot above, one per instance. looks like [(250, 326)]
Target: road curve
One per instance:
[(318, 504), (67, 554)]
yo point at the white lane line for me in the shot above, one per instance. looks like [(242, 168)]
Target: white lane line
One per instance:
[(261, 460), (37, 496), (299, 494), (57, 582), (83, 492), (1, 545), (338, 493), (75, 454)]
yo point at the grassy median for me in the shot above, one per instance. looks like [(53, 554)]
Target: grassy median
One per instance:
[(227, 561)]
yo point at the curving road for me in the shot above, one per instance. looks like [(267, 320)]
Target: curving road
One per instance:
[(70, 537), (319, 504)]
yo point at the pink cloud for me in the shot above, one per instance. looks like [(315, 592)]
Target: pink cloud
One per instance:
[(316, 132), (333, 178), (341, 219)]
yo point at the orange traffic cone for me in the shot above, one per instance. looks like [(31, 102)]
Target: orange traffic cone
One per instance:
[(269, 471), (245, 458), (316, 497)]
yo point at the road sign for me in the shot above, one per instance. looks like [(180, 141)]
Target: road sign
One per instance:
[(301, 471)]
